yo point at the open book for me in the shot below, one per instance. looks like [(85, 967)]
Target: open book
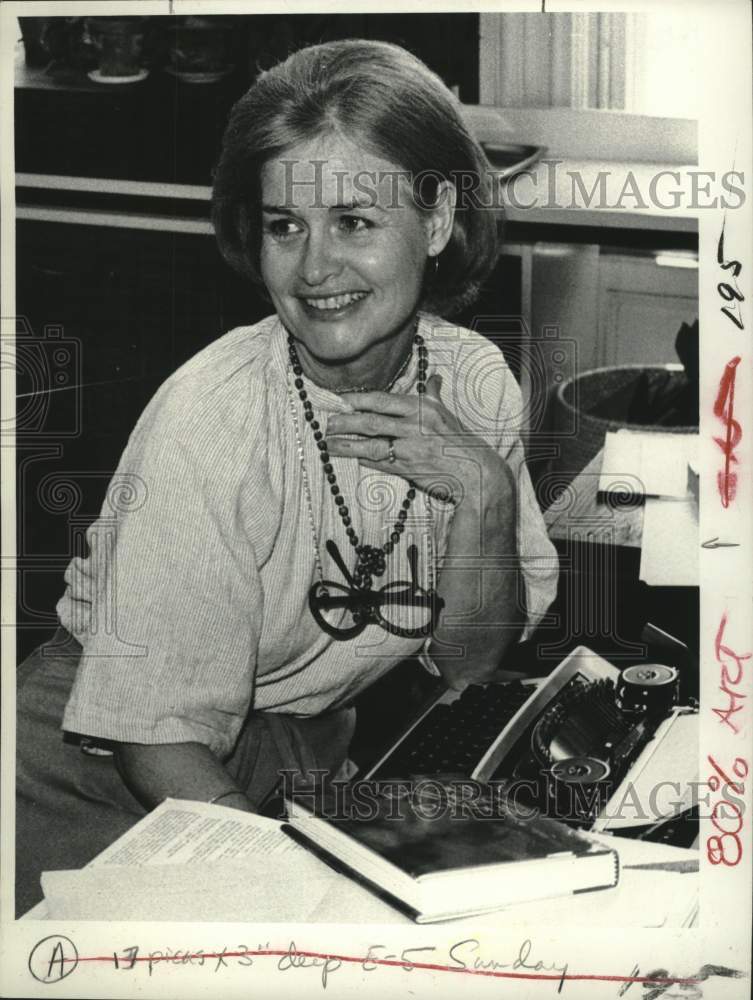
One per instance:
[(441, 858)]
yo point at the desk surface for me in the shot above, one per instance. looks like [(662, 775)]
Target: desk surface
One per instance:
[(577, 515), (668, 527)]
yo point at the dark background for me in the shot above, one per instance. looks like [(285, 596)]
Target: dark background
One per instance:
[(106, 313)]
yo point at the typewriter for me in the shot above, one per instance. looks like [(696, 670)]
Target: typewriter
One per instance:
[(598, 747)]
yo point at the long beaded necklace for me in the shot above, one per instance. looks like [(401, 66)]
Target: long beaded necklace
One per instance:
[(371, 560)]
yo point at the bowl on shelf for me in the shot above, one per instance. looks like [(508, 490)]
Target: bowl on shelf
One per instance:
[(199, 50), (119, 42)]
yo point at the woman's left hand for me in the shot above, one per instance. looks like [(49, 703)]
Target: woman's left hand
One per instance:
[(430, 446)]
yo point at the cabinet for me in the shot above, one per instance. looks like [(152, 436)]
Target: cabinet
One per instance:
[(612, 307), (642, 301)]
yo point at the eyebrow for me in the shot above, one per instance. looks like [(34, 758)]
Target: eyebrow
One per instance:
[(344, 207)]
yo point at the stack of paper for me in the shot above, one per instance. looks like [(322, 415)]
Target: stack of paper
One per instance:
[(669, 547), (647, 463), (658, 466)]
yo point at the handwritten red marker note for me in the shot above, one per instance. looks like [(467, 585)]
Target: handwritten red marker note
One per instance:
[(725, 845), (724, 406), (731, 678)]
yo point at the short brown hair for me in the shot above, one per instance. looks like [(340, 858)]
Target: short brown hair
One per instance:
[(396, 106)]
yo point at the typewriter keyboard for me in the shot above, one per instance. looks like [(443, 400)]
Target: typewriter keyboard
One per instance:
[(453, 738)]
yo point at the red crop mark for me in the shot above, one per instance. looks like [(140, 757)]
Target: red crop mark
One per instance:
[(724, 406)]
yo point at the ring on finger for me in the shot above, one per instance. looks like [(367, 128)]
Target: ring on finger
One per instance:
[(391, 456)]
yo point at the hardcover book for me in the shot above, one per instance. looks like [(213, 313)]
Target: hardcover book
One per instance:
[(440, 855)]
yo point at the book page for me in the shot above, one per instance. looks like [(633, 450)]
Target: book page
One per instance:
[(193, 833), (244, 889), (187, 847)]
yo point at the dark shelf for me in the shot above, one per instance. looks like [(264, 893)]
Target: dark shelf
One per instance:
[(158, 130), (164, 129)]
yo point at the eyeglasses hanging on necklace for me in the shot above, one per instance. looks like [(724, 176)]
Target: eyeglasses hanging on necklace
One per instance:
[(360, 606), (371, 560)]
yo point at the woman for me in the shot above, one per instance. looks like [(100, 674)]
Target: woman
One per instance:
[(312, 499)]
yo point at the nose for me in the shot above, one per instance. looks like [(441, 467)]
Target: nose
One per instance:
[(320, 259)]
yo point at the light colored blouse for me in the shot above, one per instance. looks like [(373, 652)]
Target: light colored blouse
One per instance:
[(203, 554)]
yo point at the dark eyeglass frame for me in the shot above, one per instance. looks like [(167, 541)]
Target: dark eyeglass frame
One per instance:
[(366, 603)]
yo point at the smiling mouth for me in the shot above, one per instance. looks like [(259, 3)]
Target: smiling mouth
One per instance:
[(334, 302)]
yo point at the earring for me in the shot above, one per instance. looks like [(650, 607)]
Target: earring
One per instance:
[(436, 265)]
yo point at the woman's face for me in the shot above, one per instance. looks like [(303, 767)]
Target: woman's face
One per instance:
[(344, 248)]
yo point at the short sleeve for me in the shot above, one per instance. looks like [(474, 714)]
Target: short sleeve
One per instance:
[(169, 650)]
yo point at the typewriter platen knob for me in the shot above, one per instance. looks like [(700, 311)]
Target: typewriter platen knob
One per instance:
[(648, 689), (578, 788), (580, 770)]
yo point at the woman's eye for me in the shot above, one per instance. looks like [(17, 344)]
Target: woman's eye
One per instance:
[(282, 228), (354, 223)]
